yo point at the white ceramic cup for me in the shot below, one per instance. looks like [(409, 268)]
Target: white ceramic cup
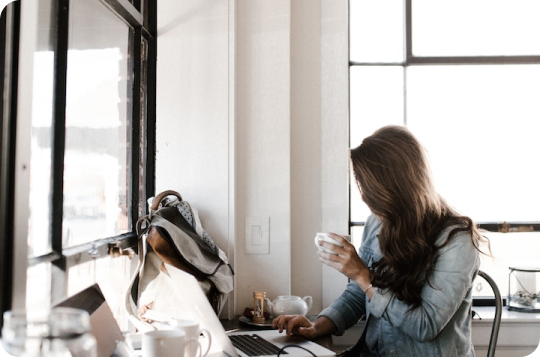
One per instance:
[(324, 237), (194, 332), (160, 343)]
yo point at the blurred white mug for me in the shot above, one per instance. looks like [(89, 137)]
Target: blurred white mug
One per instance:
[(161, 343), (193, 331)]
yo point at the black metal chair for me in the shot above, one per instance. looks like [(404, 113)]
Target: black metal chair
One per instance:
[(498, 311)]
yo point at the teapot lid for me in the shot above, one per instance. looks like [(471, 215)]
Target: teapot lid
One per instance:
[(288, 297)]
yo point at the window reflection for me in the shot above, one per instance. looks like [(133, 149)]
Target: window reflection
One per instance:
[(96, 162), (96, 159)]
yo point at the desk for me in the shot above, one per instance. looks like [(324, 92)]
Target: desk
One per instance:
[(236, 324)]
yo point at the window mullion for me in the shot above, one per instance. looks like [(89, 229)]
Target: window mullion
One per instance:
[(59, 122), (59, 277), (408, 30), (127, 11), (134, 123), (150, 11), (465, 60)]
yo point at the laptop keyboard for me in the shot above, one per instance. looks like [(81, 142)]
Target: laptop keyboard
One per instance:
[(254, 345)]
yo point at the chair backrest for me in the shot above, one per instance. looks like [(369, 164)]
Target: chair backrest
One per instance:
[(498, 312)]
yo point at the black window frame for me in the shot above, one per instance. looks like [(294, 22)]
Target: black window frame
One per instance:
[(9, 42), (141, 18)]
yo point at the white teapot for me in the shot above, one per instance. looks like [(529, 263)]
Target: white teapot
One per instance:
[(289, 305)]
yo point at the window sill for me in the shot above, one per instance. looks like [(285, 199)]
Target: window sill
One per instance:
[(507, 316), (518, 331)]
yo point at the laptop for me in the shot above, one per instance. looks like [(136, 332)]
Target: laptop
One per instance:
[(195, 306), (105, 329)]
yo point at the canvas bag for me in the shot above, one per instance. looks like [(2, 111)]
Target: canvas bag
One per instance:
[(172, 233)]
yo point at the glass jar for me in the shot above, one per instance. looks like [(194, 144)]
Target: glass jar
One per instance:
[(524, 289), (58, 332)]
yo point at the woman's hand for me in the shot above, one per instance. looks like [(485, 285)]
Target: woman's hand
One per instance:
[(294, 324), (300, 325), (346, 261)]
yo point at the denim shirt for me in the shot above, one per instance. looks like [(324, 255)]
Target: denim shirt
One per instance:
[(441, 325)]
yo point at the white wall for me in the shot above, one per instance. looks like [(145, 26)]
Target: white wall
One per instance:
[(252, 121), (263, 165), (193, 101)]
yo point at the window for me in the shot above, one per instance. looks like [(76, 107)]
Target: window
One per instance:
[(91, 136), (464, 76)]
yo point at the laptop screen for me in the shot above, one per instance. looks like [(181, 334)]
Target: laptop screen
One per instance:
[(104, 326)]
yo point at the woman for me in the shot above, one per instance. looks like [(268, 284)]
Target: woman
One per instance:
[(413, 275)]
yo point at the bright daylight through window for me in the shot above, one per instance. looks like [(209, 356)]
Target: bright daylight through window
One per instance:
[(90, 132), (464, 76)]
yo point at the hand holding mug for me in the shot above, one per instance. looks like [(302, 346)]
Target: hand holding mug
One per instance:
[(325, 237)]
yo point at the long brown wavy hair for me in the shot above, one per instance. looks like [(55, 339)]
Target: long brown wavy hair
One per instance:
[(394, 178)]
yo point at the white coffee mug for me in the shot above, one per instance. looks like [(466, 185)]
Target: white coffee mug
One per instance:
[(160, 343), (324, 237), (193, 331)]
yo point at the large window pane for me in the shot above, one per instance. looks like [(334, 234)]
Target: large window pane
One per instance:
[(376, 94), (376, 98), (376, 31), (480, 125), (97, 142), (475, 27)]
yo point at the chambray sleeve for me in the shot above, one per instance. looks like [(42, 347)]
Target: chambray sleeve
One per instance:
[(454, 272), (347, 309)]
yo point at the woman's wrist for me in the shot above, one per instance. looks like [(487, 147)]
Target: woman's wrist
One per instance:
[(370, 286), (364, 282), (324, 326)]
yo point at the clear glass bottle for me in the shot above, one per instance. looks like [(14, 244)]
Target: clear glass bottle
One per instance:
[(58, 332)]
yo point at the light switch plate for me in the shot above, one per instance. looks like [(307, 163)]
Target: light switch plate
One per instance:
[(257, 235)]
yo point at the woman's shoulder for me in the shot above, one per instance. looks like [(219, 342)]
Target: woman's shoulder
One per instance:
[(373, 221), (456, 252), (455, 236), (371, 231), (372, 227)]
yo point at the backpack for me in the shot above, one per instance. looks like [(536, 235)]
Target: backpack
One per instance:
[(172, 233)]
